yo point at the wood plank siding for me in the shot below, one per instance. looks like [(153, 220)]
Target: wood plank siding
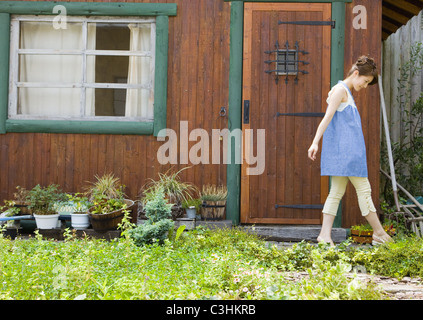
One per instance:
[(197, 89), (358, 42), (198, 76)]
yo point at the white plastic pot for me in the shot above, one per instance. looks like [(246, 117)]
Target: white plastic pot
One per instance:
[(80, 221), (46, 221)]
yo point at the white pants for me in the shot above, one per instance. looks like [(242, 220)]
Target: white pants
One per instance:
[(337, 191)]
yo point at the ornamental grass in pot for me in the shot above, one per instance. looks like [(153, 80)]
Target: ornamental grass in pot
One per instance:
[(175, 190), (213, 202), (108, 203), (43, 203)]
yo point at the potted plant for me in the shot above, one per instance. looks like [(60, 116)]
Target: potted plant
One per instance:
[(43, 205), (174, 189), (79, 217), (108, 203), (21, 200), (9, 210), (362, 233), (213, 202), (191, 206)]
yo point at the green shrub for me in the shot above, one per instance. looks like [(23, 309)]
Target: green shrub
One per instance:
[(149, 233), (157, 227)]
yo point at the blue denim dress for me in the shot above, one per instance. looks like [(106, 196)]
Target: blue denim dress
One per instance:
[(343, 147)]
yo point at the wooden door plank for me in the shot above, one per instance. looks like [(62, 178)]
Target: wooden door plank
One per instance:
[(246, 95), (263, 192)]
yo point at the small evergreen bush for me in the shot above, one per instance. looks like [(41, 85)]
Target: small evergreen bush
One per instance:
[(156, 228)]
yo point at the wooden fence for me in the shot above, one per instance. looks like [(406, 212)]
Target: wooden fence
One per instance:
[(396, 52)]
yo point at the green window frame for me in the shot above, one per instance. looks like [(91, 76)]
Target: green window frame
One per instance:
[(161, 11)]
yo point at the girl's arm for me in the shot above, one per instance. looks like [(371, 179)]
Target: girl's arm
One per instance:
[(335, 99)]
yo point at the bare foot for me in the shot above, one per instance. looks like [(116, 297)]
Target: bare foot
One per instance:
[(321, 239)]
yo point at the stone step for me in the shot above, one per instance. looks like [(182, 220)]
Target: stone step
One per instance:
[(294, 233), (280, 233)]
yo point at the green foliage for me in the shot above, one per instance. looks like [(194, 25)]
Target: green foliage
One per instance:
[(43, 200), (191, 203), (408, 151), (172, 186), (9, 208), (200, 264), (101, 206), (158, 208), (398, 259), (106, 186), (149, 233), (80, 203), (156, 228)]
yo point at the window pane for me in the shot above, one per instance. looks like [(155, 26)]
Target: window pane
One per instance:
[(139, 70), (119, 103), (105, 102), (49, 102), (119, 36), (50, 68), (109, 69), (42, 35), (110, 37), (139, 103)]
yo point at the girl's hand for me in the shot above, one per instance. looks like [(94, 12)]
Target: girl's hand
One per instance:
[(312, 151)]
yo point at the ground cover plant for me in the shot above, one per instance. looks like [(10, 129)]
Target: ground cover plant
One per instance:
[(199, 264)]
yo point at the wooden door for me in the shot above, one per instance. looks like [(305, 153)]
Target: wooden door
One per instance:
[(286, 78)]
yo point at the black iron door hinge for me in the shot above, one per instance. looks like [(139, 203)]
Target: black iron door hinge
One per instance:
[(310, 23)]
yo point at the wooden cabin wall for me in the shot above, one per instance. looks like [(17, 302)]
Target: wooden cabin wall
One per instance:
[(198, 76), (365, 42)]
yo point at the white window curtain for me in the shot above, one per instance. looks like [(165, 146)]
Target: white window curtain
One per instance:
[(139, 102), (59, 69), (90, 93)]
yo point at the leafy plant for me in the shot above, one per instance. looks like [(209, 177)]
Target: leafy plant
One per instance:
[(106, 194), (105, 187), (43, 200), (174, 189), (9, 208), (81, 203), (191, 203), (362, 227), (21, 195), (156, 228), (107, 205)]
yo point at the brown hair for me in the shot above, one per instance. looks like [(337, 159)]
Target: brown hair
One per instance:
[(366, 66)]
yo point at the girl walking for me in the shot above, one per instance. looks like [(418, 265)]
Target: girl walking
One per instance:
[(343, 150)]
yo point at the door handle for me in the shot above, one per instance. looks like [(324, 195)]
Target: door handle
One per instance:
[(246, 111)]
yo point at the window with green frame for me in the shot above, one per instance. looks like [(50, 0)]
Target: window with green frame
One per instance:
[(129, 98)]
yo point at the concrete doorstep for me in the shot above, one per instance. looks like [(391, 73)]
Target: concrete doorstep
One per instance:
[(293, 233), (279, 233)]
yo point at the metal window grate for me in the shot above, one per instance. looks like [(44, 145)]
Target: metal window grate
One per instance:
[(286, 61)]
